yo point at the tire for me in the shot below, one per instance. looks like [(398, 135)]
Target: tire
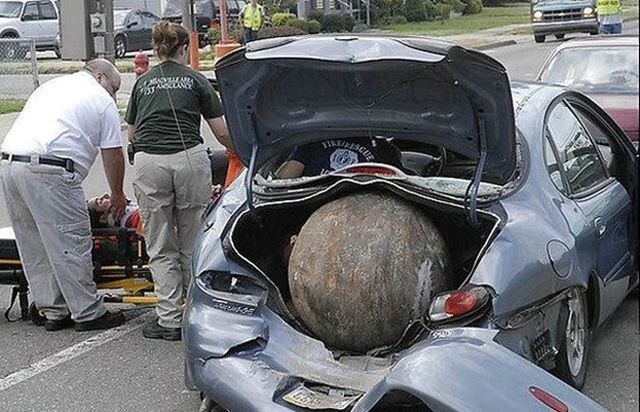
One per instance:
[(574, 340), (13, 51), (539, 38), (560, 36), (120, 47)]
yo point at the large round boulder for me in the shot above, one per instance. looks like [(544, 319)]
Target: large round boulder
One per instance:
[(363, 267)]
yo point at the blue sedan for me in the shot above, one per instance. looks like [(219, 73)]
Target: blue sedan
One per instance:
[(532, 186)]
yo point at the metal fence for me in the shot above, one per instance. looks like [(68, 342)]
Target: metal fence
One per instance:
[(18, 69)]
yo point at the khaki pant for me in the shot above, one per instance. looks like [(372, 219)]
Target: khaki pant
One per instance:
[(49, 216), (172, 192)]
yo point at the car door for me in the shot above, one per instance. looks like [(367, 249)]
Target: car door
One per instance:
[(134, 31), (148, 21), (48, 22), (601, 199), (30, 22)]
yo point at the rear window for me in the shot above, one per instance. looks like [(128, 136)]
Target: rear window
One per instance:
[(609, 70)]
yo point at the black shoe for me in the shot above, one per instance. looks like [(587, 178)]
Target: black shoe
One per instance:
[(107, 321), (53, 325), (153, 330)]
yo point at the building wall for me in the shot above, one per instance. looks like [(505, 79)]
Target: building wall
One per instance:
[(154, 6)]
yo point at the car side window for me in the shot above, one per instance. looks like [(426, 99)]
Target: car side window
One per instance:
[(31, 12), (576, 152), (552, 165), (134, 22), (600, 136), (47, 12), (149, 20)]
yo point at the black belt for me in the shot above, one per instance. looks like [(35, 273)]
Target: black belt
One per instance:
[(67, 164)]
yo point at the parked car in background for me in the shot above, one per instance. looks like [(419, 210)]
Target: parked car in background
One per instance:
[(560, 17), (28, 19), (133, 30), (536, 211), (603, 68)]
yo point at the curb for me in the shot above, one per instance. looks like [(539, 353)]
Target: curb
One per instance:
[(495, 45)]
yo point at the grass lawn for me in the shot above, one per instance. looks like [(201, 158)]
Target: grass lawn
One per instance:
[(489, 18), (10, 106)]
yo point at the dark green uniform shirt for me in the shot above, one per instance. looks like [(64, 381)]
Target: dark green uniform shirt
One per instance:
[(150, 108)]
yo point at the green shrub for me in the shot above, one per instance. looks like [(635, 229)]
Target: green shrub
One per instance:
[(279, 31), (386, 9), (281, 19), (443, 11), (299, 24), (414, 10), (214, 36), (456, 5), (332, 23), (399, 20), (316, 15), (430, 9), (314, 26), (348, 22), (235, 31), (473, 7), (359, 28)]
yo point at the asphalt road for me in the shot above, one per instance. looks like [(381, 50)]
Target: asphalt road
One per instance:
[(69, 371)]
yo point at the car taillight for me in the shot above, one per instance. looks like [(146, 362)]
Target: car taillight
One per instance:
[(458, 303), (369, 170), (548, 399)]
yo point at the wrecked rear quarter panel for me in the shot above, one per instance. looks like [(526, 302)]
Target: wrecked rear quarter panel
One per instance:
[(450, 370)]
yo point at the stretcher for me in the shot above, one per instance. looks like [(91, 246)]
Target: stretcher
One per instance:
[(120, 269), (120, 260)]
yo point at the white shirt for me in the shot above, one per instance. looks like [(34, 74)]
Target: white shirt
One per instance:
[(70, 117)]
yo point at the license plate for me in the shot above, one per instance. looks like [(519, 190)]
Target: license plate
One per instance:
[(310, 399)]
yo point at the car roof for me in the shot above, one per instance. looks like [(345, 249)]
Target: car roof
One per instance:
[(600, 41)]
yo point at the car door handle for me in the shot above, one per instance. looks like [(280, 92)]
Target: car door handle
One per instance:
[(601, 227)]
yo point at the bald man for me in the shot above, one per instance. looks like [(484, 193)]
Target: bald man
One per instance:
[(45, 157)]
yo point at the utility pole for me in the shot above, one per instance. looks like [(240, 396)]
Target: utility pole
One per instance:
[(109, 41), (189, 23)]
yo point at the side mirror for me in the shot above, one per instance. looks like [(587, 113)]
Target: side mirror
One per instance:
[(131, 24)]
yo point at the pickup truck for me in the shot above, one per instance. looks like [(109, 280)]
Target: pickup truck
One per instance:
[(559, 17)]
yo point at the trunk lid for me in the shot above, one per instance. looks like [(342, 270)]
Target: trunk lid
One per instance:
[(284, 92)]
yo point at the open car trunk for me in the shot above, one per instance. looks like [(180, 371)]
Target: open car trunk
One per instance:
[(262, 238)]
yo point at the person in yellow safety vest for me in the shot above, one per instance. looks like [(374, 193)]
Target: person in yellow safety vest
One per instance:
[(610, 16), (252, 17)]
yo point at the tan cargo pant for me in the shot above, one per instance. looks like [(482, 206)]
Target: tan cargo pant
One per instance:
[(173, 192), (49, 216)]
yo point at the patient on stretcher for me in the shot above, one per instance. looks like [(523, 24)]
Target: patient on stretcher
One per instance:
[(101, 218)]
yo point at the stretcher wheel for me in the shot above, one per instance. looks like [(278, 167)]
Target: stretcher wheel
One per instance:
[(36, 317)]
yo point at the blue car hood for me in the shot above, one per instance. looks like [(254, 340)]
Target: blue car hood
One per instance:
[(284, 92)]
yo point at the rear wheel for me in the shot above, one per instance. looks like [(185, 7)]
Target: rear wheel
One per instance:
[(13, 50), (120, 47), (539, 38), (560, 36), (574, 340)]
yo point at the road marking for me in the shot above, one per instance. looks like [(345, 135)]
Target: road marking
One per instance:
[(72, 352)]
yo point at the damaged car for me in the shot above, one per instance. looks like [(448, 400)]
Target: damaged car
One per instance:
[(412, 232)]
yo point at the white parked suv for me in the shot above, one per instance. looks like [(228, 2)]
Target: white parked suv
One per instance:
[(28, 19)]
